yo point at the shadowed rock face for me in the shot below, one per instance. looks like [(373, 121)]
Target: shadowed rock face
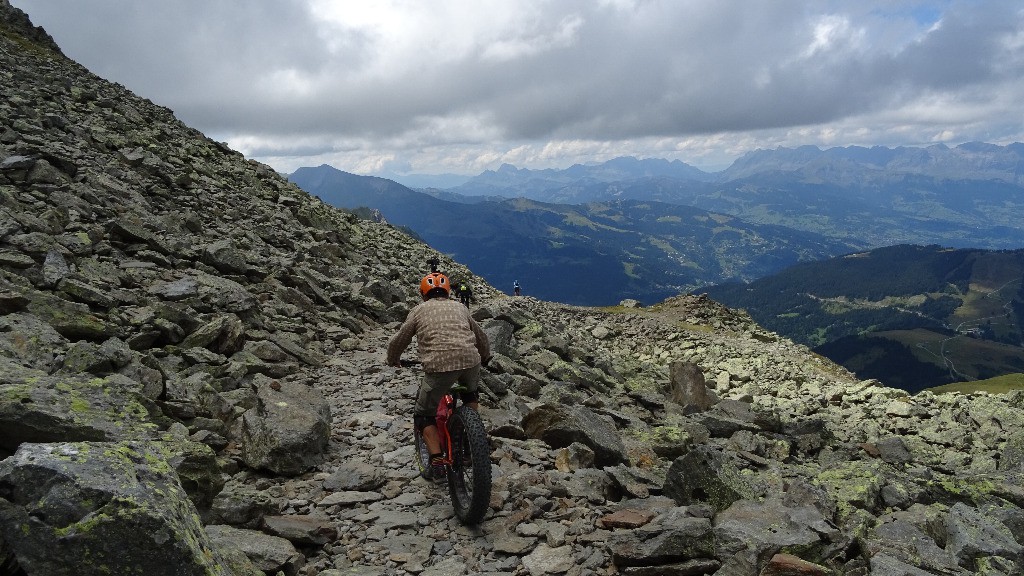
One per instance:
[(186, 335), (71, 508)]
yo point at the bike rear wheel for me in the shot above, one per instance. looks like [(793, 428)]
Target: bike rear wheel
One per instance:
[(469, 479)]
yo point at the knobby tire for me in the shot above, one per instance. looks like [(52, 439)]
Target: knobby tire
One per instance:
[(422, 455), (469, 479)]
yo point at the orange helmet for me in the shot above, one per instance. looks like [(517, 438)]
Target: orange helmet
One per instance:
[(434, 281)]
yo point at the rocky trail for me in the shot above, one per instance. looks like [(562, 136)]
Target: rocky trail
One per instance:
[(366, 511)]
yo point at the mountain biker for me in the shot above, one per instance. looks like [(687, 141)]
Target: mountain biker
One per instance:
[(464, 292), (451, 346)]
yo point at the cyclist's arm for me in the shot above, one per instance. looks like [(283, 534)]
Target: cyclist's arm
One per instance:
[(400, 341)]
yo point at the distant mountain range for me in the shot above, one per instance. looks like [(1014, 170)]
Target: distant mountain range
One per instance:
[(967, 196), (553, 185), (594, 254), (853, 165), (657, 227)]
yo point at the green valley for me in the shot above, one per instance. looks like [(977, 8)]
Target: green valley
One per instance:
[(914, 317)]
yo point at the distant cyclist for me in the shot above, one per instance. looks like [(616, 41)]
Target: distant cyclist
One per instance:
[(464, 292), (451, 347)]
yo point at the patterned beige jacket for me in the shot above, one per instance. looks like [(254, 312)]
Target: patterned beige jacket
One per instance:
[(447, 337)]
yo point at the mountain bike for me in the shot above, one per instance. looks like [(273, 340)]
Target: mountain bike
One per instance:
[(467, 455)]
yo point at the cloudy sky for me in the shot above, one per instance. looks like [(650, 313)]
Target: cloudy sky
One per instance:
[(390, 87)]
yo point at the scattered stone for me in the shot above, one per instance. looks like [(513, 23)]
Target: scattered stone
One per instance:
[(270, 554), (303, 530), (547, 560), (626, 518)]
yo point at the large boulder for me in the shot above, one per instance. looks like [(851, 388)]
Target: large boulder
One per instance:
[(205, 293), (72, 320), (500, 334), (357, 476), (730, 416), (688, 387), (705, 474), (973, 535), (302, 529), (97, 359), (224, 334), (223, 256), (1012, 457), (197, 392), (72, 508), (36, 407), (271, 554), (31, 341), (906, 543), (288, 429), (771, 525), (241, 505), (559, 426), (196, 466), (671, 539)]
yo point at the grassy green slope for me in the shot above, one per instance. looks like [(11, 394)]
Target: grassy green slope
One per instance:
[(997, 385)]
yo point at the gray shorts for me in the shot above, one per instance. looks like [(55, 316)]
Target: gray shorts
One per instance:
[(436, 384)]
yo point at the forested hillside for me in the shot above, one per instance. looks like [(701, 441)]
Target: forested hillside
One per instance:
[(912, 316)]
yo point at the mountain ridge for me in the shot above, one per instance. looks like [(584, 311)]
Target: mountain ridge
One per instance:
[(965, 161), (593, 254), (961, 196)]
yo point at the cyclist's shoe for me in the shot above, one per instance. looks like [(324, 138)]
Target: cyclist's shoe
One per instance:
[(433, 474), (435, 471)]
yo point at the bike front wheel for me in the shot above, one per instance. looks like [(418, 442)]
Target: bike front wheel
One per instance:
[(469, 479)]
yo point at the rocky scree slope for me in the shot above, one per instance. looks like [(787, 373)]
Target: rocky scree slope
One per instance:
[(191, 383)]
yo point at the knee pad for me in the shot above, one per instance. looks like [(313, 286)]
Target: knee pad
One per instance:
[(420, 421)]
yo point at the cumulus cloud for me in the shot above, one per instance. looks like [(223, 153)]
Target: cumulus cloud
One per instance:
[(463, 85)]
